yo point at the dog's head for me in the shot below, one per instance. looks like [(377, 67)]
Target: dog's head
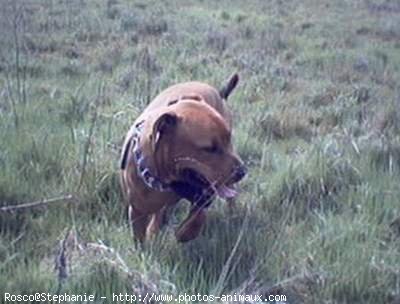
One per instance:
[(193, 150)]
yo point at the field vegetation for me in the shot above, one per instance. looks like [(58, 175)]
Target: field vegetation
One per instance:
[(317, 121)]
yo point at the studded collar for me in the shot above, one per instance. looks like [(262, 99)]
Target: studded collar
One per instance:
[(151, 180)]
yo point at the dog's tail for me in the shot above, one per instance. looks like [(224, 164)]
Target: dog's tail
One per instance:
[(228, 88)]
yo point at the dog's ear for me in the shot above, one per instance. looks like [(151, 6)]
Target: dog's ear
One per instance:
[(228, 88), (164, 124)]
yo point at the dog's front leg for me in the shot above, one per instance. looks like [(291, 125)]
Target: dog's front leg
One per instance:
[(191, 226), (138, 221), (156, 222)]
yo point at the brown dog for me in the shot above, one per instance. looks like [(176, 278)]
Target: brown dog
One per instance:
[(180, 147)]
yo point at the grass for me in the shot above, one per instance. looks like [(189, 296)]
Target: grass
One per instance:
[(316, 120)]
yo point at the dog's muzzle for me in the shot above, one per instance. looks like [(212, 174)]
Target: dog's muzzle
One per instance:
[(239, 173)]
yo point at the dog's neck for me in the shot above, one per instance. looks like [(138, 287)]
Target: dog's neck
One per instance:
[(143, 167)]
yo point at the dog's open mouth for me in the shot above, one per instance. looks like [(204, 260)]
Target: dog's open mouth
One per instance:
[(194, 187), (193, 177), (196, 182)]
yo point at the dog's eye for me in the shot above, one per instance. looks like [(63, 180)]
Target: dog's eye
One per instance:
[(212, 149)]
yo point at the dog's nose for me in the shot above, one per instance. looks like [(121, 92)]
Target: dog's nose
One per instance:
[(240, 172)]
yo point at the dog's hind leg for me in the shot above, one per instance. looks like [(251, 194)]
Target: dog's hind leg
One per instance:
[(138, 222)]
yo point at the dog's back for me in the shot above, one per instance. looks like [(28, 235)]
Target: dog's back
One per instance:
[(191, 90)]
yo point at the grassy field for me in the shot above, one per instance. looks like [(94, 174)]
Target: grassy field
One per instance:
[(317, 120)]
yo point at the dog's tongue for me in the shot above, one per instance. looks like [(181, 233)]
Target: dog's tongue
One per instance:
[(226, 192)]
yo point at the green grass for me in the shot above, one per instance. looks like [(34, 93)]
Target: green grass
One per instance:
[(316, 120)]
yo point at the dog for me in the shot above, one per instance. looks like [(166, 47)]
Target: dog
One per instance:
[(180, 147)]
